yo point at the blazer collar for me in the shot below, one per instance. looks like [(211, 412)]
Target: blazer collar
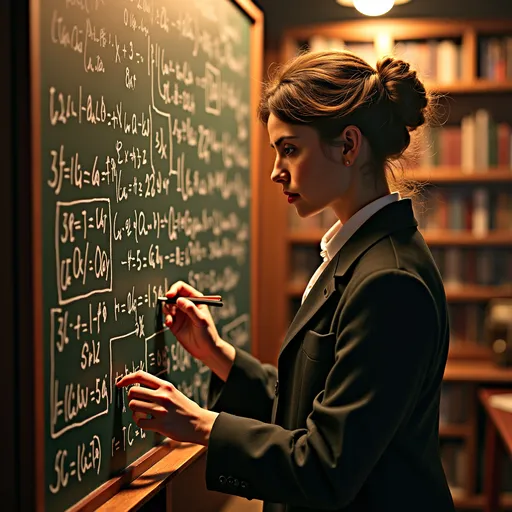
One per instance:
[(393, 217)]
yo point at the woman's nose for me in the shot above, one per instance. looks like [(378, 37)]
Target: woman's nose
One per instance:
[(278, 173)]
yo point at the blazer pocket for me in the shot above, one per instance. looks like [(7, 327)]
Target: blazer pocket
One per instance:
[(316, 359), (319, 347)]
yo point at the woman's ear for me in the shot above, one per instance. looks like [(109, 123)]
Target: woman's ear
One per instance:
[(352, 141)]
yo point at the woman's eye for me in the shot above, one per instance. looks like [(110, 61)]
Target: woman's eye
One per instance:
[(288, 150)]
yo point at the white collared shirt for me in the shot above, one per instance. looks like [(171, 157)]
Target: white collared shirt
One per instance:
[(338, 234)]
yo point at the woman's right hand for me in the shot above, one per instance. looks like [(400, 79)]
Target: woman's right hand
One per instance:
[(192, 324)]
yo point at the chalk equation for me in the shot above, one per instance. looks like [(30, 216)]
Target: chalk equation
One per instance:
[(145, 175)]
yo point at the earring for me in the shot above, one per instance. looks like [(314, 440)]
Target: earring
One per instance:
[(347, 162)]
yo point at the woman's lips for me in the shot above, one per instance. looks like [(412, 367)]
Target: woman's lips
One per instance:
[(293, 197)]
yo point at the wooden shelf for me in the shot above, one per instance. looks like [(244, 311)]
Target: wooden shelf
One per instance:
[(467, 293), (477, 501), (444, 174), (445, 237), (469, 351), (476, 371), (451, 237), (462, 431), (400, 29), (479, 86), (475, 293)]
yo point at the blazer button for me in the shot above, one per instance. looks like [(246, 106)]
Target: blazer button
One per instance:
[(236, 482), (222, 479), (244, 484), (230, 480), (276, 388)]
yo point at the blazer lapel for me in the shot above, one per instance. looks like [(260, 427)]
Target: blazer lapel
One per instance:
[(393, 217), (317, 297)]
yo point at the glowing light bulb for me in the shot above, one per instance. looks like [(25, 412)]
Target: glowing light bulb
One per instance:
[(373, 7)]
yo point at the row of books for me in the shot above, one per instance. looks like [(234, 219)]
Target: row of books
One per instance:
[(459, 266), (467, 324), (454, 405), (435, 60), (305, 259), (455, 458), (365, 50), (495, 58), (478, 210), (478, 144), (469, 266)]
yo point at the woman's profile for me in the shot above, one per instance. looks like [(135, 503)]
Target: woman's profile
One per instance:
[(349, 418)]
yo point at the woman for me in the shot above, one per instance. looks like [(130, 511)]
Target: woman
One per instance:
[(349, 419)]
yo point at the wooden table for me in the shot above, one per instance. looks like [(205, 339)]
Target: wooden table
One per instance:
[(498, 438)]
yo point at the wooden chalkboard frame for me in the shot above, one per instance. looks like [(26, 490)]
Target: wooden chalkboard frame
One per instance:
[(110, 488)]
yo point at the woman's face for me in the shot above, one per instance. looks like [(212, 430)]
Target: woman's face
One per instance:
[(312, 174)]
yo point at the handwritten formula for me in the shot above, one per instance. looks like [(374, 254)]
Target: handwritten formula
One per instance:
[(145, 180)]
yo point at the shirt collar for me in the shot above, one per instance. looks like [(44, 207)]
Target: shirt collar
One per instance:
[(338, 234)]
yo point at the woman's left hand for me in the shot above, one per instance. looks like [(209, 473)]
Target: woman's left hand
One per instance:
[(170, 412)]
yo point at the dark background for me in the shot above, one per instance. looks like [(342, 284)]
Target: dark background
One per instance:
[(283, 14)]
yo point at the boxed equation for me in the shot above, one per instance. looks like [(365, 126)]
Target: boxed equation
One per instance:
[(83, 248)]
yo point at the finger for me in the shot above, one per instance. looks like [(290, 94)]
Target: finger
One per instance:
[(147, 424), (138, 406), (146, 394), (169, 309), (139, 416), (183, 289), (191, 310), (168, 320), (140, 377)]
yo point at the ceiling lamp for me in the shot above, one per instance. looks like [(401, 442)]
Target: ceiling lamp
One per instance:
[(372, 7)]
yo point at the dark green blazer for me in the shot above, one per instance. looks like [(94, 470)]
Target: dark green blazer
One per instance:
[(349, 419)]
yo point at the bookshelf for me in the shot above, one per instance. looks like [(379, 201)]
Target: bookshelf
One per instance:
[(471, 87), (444, 174), (500, 238)]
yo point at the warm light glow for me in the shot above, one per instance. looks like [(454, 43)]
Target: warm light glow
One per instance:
[(373, 7)]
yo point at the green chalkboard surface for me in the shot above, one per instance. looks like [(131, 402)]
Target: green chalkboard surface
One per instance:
[(144, 180)]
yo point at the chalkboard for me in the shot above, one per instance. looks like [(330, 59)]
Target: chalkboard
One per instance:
[(142, 125)]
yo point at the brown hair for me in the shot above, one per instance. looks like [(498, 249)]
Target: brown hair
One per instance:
[(329, 90)]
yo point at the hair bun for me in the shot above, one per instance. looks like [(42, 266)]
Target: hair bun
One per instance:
[(405, 91)]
